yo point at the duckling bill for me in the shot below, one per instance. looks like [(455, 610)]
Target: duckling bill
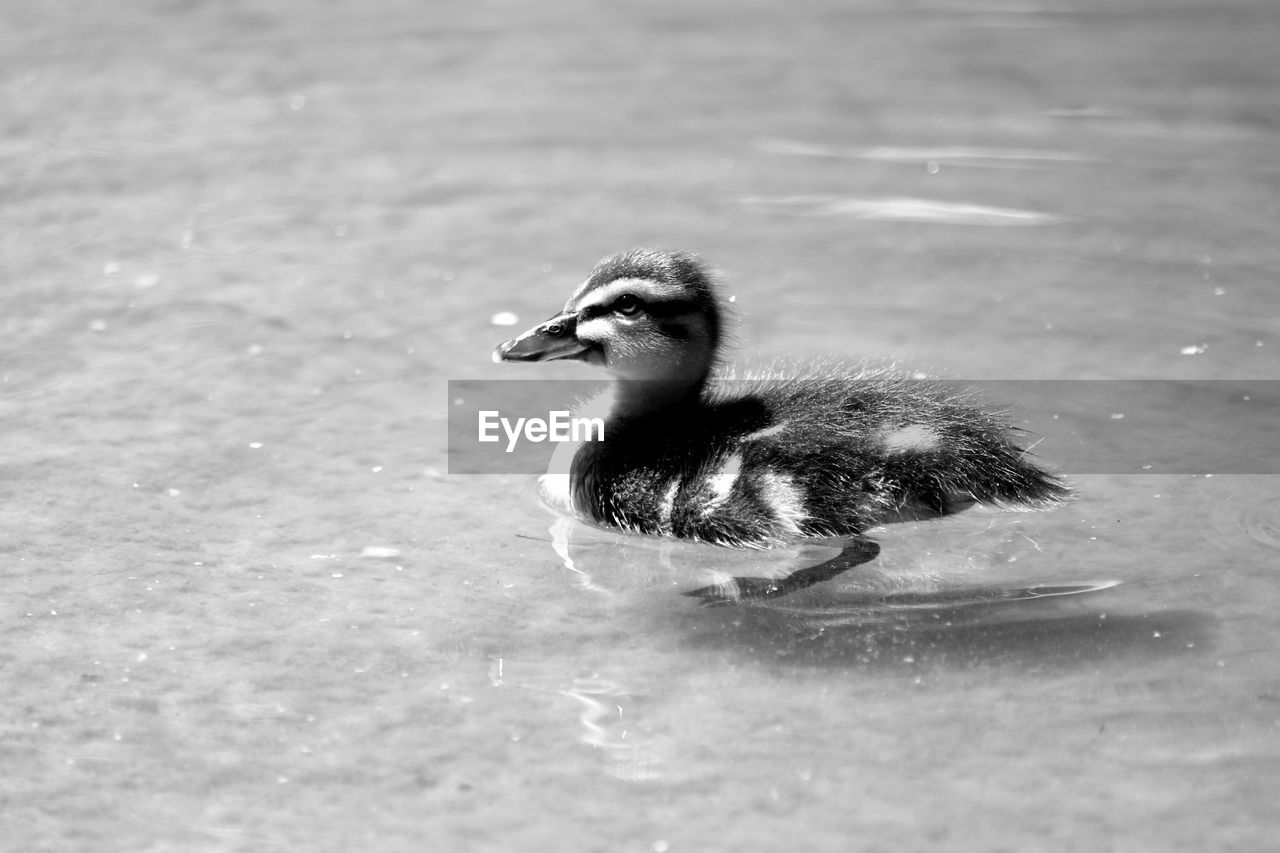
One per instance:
[(762, 462)]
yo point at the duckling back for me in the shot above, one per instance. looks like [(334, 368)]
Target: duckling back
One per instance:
[(762, 462)]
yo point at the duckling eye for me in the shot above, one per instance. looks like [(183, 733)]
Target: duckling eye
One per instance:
[(626, 304)]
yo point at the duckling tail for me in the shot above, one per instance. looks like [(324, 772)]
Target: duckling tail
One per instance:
[(1015, 482)]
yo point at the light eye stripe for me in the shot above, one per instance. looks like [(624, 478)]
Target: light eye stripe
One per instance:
[(646, 290)]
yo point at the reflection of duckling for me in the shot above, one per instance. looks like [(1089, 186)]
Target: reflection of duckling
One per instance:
[(760, 462)]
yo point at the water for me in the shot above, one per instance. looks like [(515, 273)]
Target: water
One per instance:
[(245, 249)]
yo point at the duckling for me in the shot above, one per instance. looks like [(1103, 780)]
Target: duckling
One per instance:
[(689, 453)]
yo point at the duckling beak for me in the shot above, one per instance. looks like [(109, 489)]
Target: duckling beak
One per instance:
[(553, 339)]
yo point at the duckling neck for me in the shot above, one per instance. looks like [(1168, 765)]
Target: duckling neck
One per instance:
[(639, 398)]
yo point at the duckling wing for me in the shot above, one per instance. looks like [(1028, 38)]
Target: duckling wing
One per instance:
[(864, 452)]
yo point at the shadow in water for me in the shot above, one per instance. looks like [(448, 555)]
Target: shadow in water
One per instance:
[(1039, 641)]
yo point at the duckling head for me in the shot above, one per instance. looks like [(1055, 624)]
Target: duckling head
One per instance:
[(642, 315)]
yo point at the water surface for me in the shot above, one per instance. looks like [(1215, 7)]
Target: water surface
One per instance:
[(245, 607)]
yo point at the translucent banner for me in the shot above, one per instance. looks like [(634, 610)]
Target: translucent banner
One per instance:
[(1074, 426)]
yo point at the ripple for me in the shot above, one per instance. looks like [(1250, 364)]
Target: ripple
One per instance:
[(611, 562), (1263, 523), (1237, 520), (605, 729), (951, 155), (905, 209), (607, 726)]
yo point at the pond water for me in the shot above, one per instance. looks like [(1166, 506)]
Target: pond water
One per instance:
[(246, 606)]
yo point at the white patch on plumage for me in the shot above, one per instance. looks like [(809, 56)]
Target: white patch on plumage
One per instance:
[(912, 438), (767, 432), (784, 500), (721, 483), (668, 505)]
